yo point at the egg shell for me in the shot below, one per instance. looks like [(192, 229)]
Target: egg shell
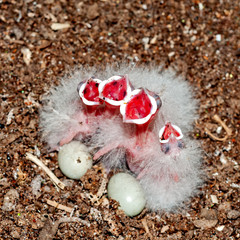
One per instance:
[(125, 189), (74, 159)]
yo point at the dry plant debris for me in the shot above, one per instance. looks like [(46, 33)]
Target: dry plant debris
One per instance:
[(59, 206), (227, 129), (34, 159)]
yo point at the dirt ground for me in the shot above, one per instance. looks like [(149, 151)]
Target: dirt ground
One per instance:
[(199, 38)]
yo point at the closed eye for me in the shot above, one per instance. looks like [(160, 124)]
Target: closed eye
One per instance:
[(180, 144), (165, 147)]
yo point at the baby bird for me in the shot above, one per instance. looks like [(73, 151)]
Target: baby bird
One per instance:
[(125, 116)]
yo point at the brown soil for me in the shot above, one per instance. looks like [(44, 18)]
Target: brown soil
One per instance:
[(199, 38)]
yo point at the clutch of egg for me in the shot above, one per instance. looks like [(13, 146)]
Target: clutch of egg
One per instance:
[(159, 152)]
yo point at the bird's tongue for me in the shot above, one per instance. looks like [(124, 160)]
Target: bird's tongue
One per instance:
[(115, 90), (139, 106), (168, 131), (91, 92)]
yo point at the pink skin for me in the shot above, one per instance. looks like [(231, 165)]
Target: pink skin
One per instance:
[(172, 147), (89, 117), (142, 131), (111, 110), (93, 111), (171, 143), (173, 150), (170, 137), (140, 110), (81, 128), (89, 94), (87, 126), (138, 107), (113, 91), (134, 153)]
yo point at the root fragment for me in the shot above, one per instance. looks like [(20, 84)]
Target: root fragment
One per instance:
[(226, 128), (53, 178)]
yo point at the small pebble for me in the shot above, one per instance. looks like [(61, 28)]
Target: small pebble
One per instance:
[(219, 129), (218, 37), (225, 206), (220, 228), (93, 11), (144, 6), (233, 214), (27, 54), (204, 223), (125, 189), (164, 229), (15, 234), (36, 185), (200, 5), (214, 199), (74, 159), (171, 54), (10, 200), (223, 159), (59, 26)]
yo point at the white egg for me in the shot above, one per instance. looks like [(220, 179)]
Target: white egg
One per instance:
[(125, 189), (74, 159)]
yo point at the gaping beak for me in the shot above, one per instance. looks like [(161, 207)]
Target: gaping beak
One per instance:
[(115, 89), (88, 91), (168, 132), (139, 107)]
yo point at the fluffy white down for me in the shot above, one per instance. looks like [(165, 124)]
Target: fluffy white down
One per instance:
[(63, 111), (162, 190)]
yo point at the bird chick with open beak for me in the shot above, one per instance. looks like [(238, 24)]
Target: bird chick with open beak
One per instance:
[(168, 169)]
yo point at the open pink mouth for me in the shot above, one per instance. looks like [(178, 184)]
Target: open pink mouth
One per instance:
[(139, 107), (114, 90), (169, 130), (88, 91)]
